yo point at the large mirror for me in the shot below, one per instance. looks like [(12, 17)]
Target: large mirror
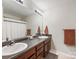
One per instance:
[(18, 17)]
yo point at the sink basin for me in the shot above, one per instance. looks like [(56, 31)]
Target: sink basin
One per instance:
[(13, 49), (43, 37)]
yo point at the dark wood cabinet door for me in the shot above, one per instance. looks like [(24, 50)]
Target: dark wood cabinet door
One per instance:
[(40, 46), (40, 51), (40, 57), (47, 47), (32, 57), (69, 36), (30, 53)]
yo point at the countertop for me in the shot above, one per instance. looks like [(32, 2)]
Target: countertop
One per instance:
[(31, 43)]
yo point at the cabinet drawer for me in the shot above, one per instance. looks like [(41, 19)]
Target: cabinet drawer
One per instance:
[(40, 51), (39, 45), (29, 53)]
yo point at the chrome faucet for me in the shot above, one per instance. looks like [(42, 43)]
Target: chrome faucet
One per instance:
[(12, 42), (9, 42)]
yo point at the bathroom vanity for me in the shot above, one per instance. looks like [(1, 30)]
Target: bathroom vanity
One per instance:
[(37, 48), (38, 51)]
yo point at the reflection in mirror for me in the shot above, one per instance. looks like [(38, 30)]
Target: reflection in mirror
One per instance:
[(13, 29), (39, 13)]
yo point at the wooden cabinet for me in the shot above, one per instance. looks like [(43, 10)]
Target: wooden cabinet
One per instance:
[(38, 51), (28, 55), (39, 46), (39, 57), (22, 56), (69, 36), (32, 57), (47, 47)]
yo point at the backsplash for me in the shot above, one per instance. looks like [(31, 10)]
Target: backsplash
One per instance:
[(15, 40)]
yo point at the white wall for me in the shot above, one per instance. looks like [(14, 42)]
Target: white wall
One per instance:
[(60, 15)]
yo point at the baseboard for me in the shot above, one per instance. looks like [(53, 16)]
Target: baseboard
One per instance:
[(54, 52), (61, 53)]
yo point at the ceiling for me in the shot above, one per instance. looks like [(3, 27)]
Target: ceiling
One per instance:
[(51, 4), (43, 4), (16, 9), (13, 8), (10, 7)]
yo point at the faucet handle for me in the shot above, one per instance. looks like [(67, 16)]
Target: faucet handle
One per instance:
[(7, 39), (13, 41)]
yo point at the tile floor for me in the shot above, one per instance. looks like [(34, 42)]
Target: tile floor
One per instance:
[(51, 56)]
